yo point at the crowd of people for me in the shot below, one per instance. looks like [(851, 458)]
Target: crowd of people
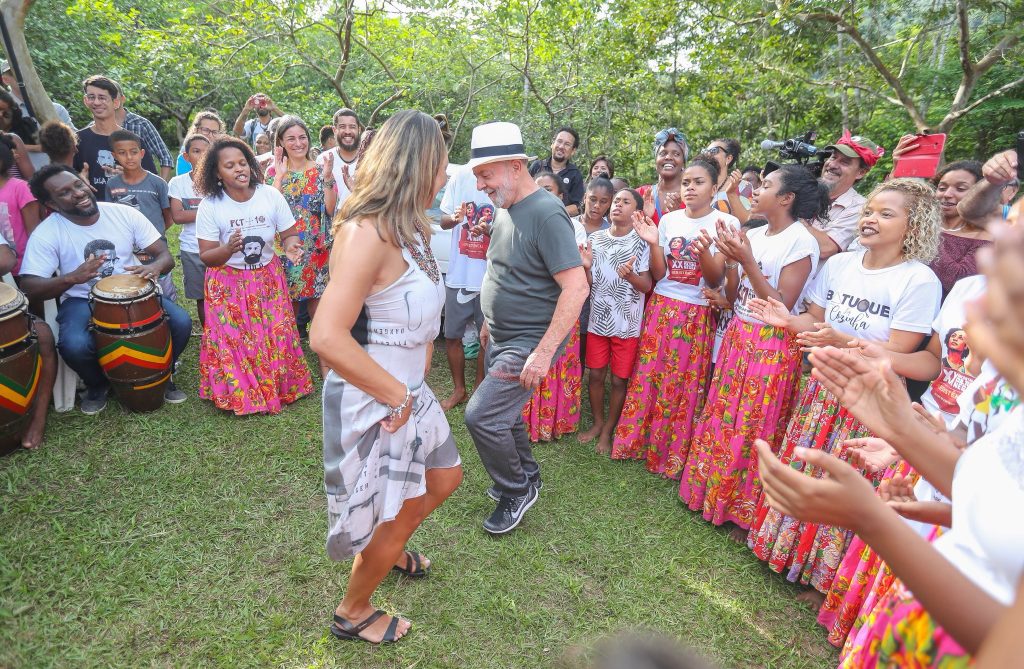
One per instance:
[(693, 307)]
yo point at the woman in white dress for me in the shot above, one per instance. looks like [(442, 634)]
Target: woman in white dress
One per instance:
[(389, 455)]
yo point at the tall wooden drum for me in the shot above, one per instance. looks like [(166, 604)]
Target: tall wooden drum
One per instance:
[(20, 365), (133, 340)]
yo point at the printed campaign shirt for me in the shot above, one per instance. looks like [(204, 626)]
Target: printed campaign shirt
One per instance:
[(616, 308), (677, 232), (773, 253), (958, 367), (869, 303), (259, 218), (467, 259)]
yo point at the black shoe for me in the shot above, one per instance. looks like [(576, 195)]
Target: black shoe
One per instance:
[(535, 481), (94, 401), (510, 512)]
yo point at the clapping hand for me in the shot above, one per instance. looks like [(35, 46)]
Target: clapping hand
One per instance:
[(670, 201), (870, 453), (587, 255), (898, 493), (823, 336), (649, 208), (625, 269), (733, 243), (732, 184), (235, 240), (280, 163), (715, 298), (328, 165), (771, 311), (702, 243), (645, 227), (346, 176), (293, 248)]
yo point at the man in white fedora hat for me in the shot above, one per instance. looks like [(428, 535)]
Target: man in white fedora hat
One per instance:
[(531, 298)]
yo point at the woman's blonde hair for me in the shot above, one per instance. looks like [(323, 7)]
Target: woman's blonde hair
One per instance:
[(395, 179), (924, 220)]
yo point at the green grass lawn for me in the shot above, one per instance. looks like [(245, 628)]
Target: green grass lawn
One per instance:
[(192, 538)]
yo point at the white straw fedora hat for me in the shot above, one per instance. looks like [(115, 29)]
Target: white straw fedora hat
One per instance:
[(497, 141)]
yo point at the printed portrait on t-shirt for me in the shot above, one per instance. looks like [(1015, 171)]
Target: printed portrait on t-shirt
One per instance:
[(106, 250), (105, 159), (471, 244), (683, 265), (252, 250), (957, 372)]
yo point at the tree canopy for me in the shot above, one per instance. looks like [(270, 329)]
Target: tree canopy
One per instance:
[(617, 72)]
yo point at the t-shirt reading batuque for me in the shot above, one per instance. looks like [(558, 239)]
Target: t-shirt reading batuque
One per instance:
[(467, 259), (182, 189), (616, 307), (684, 278), (259, 218), (58, 245), (773, 253), (957, 366), (869, 303), (531, 241)]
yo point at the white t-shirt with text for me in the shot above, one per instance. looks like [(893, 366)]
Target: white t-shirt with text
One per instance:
[(58, 245), (467, 260), (616, 308), (182, 189), (869, 303), (773, 253), (259, 218), (684, 278)]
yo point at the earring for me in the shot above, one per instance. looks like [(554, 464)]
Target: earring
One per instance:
[(220, 183)]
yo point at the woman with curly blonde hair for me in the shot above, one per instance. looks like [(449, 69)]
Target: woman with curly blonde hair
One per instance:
[(884, 293), (389, 455)]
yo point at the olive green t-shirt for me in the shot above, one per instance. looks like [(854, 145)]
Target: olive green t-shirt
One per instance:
[(531, 241)]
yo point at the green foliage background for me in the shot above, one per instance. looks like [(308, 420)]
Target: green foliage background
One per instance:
[(617, 71)]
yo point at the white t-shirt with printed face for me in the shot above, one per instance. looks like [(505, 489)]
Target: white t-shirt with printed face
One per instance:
[(339, 185), (259, 218), (58, 245), (616, 308), (869, 303), (773, 253), (467, 260), (957, 365), (182, 189), (684, 278)]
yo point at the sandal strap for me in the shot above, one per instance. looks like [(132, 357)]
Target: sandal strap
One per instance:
[(415, 563), (389, 634), (347, 625)]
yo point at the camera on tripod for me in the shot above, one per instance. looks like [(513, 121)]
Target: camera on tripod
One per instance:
[(798, 150)]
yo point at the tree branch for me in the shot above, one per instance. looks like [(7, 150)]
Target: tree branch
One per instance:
[(377, 110), (954, 116)]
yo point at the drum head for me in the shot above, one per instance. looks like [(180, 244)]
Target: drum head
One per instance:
[(123, 287), (11, 300)]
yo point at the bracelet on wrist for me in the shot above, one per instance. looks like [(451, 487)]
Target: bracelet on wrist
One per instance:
[(731, 265), (331, 183), (394, 412)]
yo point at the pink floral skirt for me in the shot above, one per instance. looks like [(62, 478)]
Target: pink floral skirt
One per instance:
[(251, 360), (808, 553), (667, 388), (756, 376), (554, 409), (898, 632)]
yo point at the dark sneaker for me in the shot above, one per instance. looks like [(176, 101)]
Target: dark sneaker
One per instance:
[(535, 481), (172, 395), (94, 401), (509, 512)]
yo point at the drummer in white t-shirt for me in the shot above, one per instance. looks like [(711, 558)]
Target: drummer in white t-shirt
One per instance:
[(81, 243)]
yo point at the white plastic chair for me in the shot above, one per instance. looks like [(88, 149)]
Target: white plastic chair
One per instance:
[(66, 384)]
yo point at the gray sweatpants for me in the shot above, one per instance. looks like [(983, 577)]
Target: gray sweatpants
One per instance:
[(494, 418)]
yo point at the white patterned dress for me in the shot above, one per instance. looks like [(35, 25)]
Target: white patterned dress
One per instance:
[(368, 472)]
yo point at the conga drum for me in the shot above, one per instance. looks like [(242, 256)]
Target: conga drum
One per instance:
[(133, 340), (20, 365)]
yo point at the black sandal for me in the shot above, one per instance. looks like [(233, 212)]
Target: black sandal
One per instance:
[(346, 631), (413, 566)]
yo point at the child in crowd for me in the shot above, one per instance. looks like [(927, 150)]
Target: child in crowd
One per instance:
[(617, 261), (141, 189), (184, 203), (19, 212), (60, 144), (668, 388), (554, 408), (758, 368)]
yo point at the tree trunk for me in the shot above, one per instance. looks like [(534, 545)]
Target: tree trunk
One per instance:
[(13, 13)]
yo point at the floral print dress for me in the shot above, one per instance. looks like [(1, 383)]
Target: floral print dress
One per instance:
[(304, 192)]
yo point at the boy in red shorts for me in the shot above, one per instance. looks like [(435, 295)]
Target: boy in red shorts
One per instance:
[(617, 261)]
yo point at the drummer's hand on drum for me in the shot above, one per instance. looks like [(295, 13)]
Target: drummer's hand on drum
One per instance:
[(144, 271), (88, 270), (292, 248)]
